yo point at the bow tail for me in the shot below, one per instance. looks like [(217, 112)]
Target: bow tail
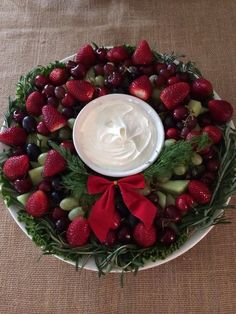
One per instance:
[(139, 205), (102, 213)]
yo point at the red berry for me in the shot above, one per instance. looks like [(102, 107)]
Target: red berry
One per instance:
[(160, 66), (172, 213), (172, 68), (78, 232), (109, 68), (34, 103), (141, 87), (142, 54), (172, 133), (79, 71), (124, 235), (60, 92), (58, 76), (111, 238), (68, 100), (98, 68), (165, 73), (144, 236), (213, 165), (193, 134), (23, 185), (16, 167), (15, 136), (168, 236), (148, 70), (18, 115), (58, 213), (221, 111), (53, 119), (184, 202), (208, 178), (173, 80), (102, 54), (81, 90), (180, 113), (101, 91), (201, 88), (52, 101), (160, 81), (54, 164), (213, 132), (117, 54), (37, 204), (68, 145), (116, 221), (49, 90), (41, 80), (174, 94), (45, 186), (42, 129), (114, 79), (86, 56), (199, 191)]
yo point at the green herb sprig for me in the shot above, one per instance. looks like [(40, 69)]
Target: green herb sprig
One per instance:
[(172, 156)]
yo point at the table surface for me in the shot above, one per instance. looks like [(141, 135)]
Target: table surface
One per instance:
[(36, 32)]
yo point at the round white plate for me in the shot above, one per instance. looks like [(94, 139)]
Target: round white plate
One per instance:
[(90, 265)]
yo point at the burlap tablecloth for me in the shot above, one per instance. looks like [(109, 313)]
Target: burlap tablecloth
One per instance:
[(37, 32)]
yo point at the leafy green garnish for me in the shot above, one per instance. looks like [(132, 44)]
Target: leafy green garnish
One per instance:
[(26, 82)]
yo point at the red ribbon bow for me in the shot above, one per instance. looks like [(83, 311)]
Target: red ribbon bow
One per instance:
[(103, 211)]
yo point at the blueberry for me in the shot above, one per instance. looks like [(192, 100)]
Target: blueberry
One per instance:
[(56, 197), (62, 224), (33, 151), (56, 183), (29, 124)]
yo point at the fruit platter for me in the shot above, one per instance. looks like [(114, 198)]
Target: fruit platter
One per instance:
[(118, 158)]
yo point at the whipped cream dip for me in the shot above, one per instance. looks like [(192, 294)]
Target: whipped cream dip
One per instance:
[(118, 135)]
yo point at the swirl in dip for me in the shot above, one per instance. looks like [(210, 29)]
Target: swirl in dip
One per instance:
[(114, 134)]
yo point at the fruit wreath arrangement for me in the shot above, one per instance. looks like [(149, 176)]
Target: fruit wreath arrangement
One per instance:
[(75, 213)]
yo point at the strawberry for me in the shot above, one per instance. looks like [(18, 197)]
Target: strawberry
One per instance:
[(15, 136), (37, 204), (54, 164), (117, 54), (81, 90), (16, 167), (213, 132), (174, 94), (141, 87), (184, 202), (68, 100), (34, 103), (42, 129), (53, 119), (201, 89), (58, 76), (199, 191), (78, 232), (142, 54), (221, 111), (86, 55), (144, 236)]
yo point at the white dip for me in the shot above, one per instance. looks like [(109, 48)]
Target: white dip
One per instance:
[(115, 134)]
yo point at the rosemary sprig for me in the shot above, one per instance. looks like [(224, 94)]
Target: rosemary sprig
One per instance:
[(26, 83), (75, 180)]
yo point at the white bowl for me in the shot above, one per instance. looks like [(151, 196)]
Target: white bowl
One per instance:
[(90, 265), (147, 110)]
